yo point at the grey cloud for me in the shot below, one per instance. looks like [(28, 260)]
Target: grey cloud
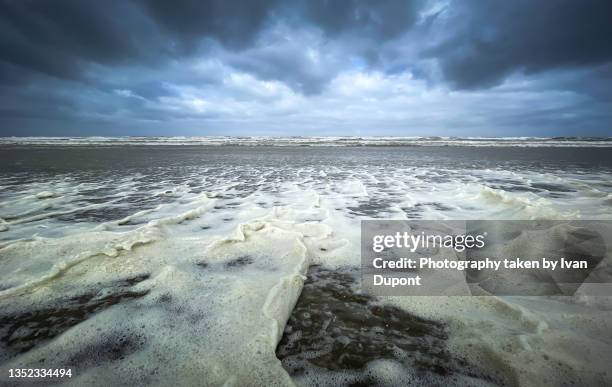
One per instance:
[(59, 38), (378, 20), (122, 63), (235, 24), (301, 60), (487, 41)]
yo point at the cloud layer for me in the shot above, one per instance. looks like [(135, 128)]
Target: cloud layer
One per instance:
[(259, 67)]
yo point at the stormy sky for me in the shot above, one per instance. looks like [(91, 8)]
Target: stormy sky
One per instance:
[(311, 67)]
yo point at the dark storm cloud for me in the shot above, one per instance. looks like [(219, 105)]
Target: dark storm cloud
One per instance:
[(123, 63), (488, 40), (348, 28), (380, 20), (58, 38), (233, 24), (237, 23), (481, 42)]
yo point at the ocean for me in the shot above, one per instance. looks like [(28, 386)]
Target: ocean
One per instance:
[(236, 261)]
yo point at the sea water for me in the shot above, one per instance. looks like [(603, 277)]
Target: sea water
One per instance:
[(219, 262)]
